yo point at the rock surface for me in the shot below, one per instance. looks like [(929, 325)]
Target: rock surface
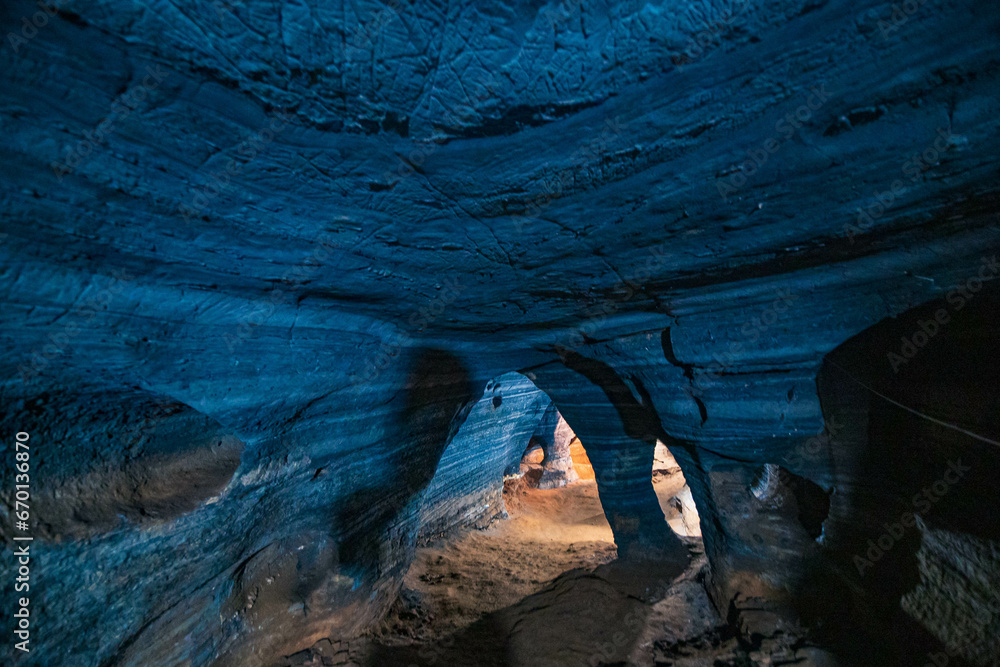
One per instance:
[(555, 437), (261, 261), (674, 494)]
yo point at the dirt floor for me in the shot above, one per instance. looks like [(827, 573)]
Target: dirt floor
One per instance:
[(548, 532), (544, 588)]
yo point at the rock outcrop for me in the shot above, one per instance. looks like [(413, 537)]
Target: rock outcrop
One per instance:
[(467, 488), (554, 436)]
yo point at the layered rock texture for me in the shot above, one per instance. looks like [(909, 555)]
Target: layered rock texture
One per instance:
[(467, 487), (281, 283)]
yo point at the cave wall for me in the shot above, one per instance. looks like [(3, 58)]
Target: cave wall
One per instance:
[(917, 452), (467, 488), (290, 244), (304, 530)]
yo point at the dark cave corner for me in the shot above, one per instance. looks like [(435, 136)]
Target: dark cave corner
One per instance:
[(919, 427), (435, 403)]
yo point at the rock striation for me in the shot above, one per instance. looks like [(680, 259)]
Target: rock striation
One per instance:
[(277, 280)]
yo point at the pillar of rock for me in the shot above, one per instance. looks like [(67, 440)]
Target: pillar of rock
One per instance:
[(557, 466)]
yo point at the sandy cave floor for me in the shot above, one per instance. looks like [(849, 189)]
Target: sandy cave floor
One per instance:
[(548, 532), (544, 588)]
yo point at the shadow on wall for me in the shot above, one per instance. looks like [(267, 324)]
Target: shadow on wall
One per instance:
[(437, 398), (439, 395), (914, 528)]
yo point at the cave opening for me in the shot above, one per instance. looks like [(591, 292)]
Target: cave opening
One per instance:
[(527, 526), (674, 494)]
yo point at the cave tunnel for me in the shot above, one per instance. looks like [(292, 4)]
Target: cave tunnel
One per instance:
[(503, 334)]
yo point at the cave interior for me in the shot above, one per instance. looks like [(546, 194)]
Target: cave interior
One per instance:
[(501, 334)]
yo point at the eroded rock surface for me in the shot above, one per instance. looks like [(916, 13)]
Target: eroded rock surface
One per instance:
[(315, 232)]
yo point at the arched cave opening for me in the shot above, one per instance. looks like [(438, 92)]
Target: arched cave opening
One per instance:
[(674, 494), (514, 514), (512, 506)]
